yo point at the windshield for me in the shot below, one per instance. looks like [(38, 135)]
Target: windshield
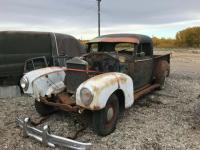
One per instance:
[(111, 47), (124, 47)]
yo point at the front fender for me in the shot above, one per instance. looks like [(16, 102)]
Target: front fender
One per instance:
[(45, 82), (103, 86)]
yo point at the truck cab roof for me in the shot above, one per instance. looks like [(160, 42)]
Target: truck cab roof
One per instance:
[(126, 38)]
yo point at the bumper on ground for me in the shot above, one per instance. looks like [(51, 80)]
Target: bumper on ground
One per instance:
[(48, 139)]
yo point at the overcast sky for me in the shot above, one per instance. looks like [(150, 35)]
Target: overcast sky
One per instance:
[(161, 18)]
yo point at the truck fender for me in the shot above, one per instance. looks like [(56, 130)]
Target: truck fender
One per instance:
[(160, 68), (45, 82), (103, 86)]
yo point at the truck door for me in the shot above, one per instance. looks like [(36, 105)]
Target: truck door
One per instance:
[(143, 67)]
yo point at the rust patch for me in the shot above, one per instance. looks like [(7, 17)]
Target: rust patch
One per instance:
[(105, 85), (96, 107), (66, 107), (65, 99), (145, 91), (161, 68), (121, 78), (117, 39)]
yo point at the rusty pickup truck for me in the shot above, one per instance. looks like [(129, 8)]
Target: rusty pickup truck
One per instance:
[(117, 70)]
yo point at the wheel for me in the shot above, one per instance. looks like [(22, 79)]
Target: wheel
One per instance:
[(105, 120), (163, 80), (43, 109)]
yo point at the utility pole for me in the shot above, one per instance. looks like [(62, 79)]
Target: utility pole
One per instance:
[(99, 18)]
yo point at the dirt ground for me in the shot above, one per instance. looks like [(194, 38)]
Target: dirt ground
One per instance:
[(167, 119)]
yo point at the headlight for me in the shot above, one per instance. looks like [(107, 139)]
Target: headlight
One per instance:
[(24, 83), (86, 96)]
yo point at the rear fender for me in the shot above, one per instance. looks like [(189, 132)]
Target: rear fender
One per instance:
[(103, 86), (160, 68)]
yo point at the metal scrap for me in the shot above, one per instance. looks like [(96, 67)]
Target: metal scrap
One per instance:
[(47, 138)]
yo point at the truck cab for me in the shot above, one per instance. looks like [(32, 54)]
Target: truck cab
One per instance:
[(133, 54)]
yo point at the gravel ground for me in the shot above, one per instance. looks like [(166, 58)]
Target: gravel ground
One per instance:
[(167, 119)]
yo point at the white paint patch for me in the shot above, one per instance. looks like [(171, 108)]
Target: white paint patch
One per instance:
[(45, 81)]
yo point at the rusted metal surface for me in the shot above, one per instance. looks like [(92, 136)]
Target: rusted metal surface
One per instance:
[(143, 71), (68, 106), (65, 99), (117, 39), (129, 38), (142, 88), (160, 68), (143, 91)]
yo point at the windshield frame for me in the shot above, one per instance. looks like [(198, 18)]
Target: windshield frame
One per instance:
[(104, 47)]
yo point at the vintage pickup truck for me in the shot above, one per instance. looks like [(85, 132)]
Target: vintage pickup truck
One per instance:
[(116, 70)]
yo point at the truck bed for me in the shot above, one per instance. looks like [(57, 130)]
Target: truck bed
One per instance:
[(162, 57)]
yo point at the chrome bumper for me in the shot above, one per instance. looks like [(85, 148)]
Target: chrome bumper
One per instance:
[(48, 139)]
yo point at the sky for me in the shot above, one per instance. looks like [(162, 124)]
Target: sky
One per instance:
[(161, 18)]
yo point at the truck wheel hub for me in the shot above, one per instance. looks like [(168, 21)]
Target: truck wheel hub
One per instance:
[(110, 114)]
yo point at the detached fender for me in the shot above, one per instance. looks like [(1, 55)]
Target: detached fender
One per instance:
[(103, 86), (45, 82), (46, 86)]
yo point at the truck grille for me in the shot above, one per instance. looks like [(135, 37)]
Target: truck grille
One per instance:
[(76, 74)]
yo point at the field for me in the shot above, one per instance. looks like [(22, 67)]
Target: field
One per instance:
[(167, 119)]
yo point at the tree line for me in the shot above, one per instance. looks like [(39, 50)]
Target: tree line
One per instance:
[(189, 37)]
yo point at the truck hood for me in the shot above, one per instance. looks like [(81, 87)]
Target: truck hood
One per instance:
[(32, 75), (39, 74)]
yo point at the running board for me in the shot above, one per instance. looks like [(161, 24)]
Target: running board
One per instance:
[(143, 91)]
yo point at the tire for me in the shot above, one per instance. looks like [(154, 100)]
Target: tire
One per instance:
[(43, 109), (104, 121)]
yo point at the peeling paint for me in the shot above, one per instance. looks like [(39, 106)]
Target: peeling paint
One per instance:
[(45, 82), (102, 86)]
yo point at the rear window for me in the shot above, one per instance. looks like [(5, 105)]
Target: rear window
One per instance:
[(17, 43)]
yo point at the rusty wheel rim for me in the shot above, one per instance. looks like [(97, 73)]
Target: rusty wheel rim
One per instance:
[(110, 115)]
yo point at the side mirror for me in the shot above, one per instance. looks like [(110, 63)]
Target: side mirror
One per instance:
[(142, 54)]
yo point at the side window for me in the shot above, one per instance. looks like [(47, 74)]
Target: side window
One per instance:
[(144, 50), (35, 63), (140, 52), (28, 66), (39, 63)]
